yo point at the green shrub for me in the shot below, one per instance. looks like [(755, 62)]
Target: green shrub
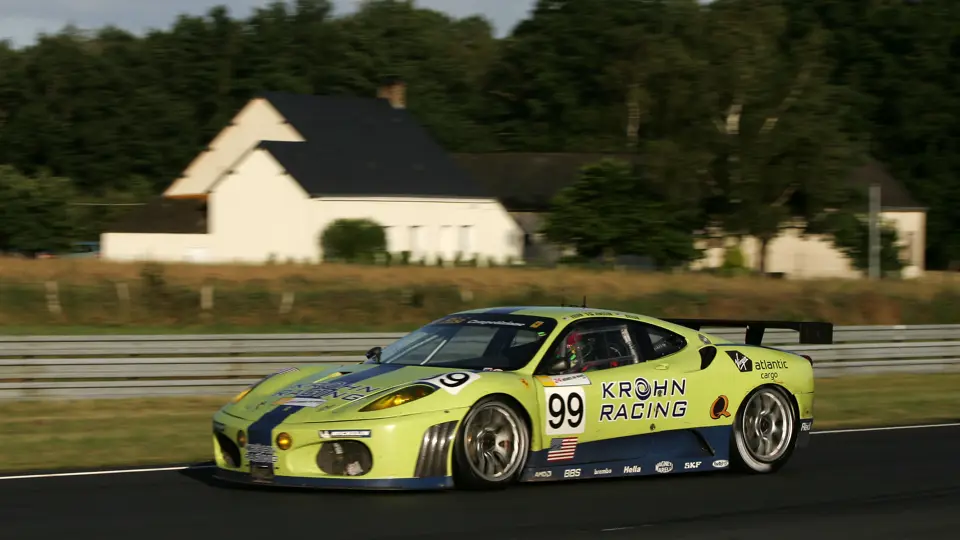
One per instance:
[(353, 240)]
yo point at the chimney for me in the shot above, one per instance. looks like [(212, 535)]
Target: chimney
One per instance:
[(394, 90)]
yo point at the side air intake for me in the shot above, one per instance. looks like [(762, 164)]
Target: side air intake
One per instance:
[(432, 460)]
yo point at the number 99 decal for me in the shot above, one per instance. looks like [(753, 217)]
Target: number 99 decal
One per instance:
[(566, 410)]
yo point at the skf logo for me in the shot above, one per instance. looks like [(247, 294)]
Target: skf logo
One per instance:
[(692, 465)]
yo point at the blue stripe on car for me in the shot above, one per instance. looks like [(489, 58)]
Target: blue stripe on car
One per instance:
[(261, 431)]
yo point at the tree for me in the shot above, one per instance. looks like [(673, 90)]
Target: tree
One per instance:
[(780, 152), (35, 216), (901, 62), (611, 210), (353, 240), (851, 235)]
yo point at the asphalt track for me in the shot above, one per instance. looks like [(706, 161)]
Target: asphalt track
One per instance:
[(901, 484)]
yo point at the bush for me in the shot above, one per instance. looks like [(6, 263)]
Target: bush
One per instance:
[(353, 240)]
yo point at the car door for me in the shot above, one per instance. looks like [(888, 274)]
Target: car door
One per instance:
[(590, 360), (680, 391)]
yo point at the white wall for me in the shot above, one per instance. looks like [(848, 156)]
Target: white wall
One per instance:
[(432, 227), (258, 213), (257, 121), (912, 237), (815, 256), (155, 247)]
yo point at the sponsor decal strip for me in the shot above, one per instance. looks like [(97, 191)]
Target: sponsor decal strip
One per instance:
[(628, 467), (345, 434)]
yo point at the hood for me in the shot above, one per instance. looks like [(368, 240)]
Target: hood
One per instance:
[(326, 393)]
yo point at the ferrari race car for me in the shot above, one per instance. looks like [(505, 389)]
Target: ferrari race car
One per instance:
[(488, 397)]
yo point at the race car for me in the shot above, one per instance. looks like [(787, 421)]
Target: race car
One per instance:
[(489, 397)]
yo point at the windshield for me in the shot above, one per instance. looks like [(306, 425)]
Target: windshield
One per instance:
[(472, 341)]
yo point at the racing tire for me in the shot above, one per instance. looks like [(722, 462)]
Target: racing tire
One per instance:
[(492, 445), (764, 431)]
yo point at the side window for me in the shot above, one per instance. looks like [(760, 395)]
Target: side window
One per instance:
[(663, 341), (593, 345)]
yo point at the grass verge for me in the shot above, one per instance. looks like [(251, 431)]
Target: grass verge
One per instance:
[(88, 296), (53, 435)]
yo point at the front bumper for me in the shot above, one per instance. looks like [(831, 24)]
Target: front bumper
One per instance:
[(407, 452)]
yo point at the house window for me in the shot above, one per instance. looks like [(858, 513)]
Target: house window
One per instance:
[(463, 246), (414, 240)]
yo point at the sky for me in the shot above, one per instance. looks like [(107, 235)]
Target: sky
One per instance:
[(22, 20)]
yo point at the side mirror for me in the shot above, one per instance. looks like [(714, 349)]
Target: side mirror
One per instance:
[(374, 353), (559, 366)]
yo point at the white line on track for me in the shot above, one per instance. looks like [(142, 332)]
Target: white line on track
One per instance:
[(888, 428), (184, 467), (98, 473)]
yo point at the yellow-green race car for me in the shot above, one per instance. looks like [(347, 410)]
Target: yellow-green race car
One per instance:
[(488, 397)]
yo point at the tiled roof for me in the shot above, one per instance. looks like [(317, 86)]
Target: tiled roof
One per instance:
[(364, 147)]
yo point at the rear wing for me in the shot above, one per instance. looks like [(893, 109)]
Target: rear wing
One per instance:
[(811, 333)]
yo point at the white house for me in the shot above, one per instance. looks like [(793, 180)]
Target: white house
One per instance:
[(525, 183), (814, 256), (288, 165)]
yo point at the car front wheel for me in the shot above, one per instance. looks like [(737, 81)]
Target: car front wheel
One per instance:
[(492, 445)]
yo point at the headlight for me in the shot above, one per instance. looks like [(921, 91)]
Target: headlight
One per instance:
[(394, 399)]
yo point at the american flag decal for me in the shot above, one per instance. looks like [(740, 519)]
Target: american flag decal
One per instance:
[(562, 449)]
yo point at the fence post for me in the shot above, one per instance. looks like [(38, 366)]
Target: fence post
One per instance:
[(286, 302), (53, 298), (123, 296), (206, 297)]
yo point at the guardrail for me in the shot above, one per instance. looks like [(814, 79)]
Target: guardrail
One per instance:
[(83, 367)]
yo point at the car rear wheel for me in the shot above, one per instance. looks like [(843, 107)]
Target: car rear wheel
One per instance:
[(764, 432), (491, 446)]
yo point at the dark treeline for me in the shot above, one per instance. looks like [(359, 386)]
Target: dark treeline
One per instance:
[(750, 111)]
